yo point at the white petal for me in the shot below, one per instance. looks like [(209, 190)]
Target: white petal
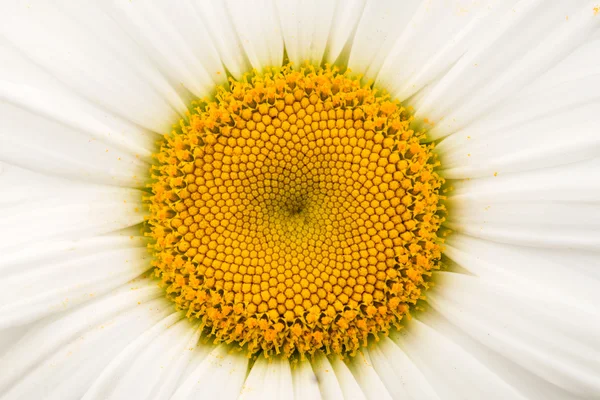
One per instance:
[(269, 379), (400, 375), (557, 342), (420, 41), (574, 67), (171, 380), (10, 336), (530, 224), (378, 29), (329, 385), (565, 93), (216, 17), (37, 137), (72, 348), (565, 275), (497, 66), (546, 208), (524, 381), (560, 137), (305, 27), (76, 211), (306, 384), (27, 86), (150, 366), (219, 375), (177, 41), (452, 372), (86, 51), (366, 376), (49, 277), (257, 26), (347, 14), (570, 183), (349, 385), (20, 185)]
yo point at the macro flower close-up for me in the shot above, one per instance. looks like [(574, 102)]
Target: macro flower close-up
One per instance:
[(280, 199)]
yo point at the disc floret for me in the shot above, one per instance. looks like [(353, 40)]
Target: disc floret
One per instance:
[(296, 212)]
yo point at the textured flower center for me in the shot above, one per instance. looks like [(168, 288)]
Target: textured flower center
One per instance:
[(296, 212)]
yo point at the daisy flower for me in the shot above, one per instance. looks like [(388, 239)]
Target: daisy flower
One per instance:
[(300, 199)]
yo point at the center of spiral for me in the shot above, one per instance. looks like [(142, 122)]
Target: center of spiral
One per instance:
[(296, 212)]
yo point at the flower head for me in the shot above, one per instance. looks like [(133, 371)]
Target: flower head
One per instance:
[(299, 199)]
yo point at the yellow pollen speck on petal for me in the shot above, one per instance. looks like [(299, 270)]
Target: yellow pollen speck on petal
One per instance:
[(296, 212)]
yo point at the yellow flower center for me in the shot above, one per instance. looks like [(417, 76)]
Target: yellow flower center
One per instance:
[(296, 212)]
